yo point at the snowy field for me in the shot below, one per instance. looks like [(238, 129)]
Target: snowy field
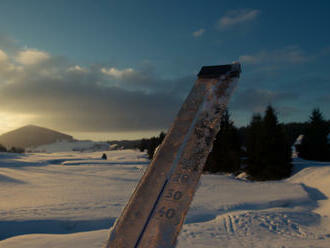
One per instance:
[(66, 200)]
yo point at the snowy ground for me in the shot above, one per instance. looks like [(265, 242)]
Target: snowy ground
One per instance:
[(76, 145), (64, 200)]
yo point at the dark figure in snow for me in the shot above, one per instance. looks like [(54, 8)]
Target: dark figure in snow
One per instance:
[(104, 156)]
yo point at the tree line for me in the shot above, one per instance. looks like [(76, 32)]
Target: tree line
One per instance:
[(263, 148), (151, 144), (12, 149)]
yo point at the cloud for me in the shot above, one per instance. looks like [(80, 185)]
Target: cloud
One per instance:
[(8, 44), (237, 17), (146, 80), (324, 99), (7, 68), (287, 111), (256, 100), (198, 32), (57, 94), (78, 69), (73, 102), (290, 54), (117, 73), (312, 83), (31, 57), (3, 57)]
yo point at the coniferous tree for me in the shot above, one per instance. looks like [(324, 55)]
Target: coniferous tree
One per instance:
[(2, 148), (314, 145), (151, 147), (161, 137), (225, 154), (151, 144), (143, 145), (253, 144), (269, 152), (16, 150)]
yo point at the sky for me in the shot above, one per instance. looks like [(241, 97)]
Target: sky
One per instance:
[(102, 69)]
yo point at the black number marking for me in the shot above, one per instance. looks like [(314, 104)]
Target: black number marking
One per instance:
[(177, 195), (171, 194), (181, 178), (176, 177), (184, 178), (162, 212), (169, 213), (186, 164)]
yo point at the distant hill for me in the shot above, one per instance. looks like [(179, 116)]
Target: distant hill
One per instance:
[(32, 136)]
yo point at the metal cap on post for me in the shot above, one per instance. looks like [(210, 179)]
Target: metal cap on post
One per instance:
[(216, 71)]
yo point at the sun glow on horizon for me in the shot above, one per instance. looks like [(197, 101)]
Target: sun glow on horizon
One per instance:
[(107, 136), (11, 121)]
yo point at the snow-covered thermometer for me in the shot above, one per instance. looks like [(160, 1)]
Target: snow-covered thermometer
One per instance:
[(156, 211)]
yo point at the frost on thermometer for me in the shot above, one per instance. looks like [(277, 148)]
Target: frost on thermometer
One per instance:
[(155, 213)]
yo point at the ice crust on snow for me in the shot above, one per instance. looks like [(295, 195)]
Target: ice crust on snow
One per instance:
[(71, 199)]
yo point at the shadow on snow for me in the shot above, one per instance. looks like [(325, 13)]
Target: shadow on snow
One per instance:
[(13, 228)]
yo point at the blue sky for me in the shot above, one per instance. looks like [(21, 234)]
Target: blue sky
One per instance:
[(148, 53)]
